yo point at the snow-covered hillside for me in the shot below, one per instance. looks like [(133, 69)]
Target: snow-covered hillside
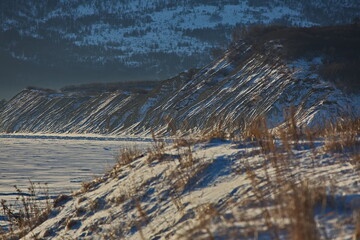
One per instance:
[(139, 39), (247, 82)]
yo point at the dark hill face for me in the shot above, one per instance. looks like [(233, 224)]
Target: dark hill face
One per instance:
[(261, 75), (53, 43), (338, 46)]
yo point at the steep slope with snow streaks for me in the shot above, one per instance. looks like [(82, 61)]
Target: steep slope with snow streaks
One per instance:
[(238, 88)]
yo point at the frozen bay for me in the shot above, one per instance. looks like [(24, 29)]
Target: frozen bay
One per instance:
[(61, 161)]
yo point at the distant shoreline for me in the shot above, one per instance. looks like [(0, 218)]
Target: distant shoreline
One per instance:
[(77, 137)]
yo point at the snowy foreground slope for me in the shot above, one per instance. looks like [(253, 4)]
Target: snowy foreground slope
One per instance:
[(216, 189), (247, 82)]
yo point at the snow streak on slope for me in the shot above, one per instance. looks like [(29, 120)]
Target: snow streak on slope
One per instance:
[(235, 89)]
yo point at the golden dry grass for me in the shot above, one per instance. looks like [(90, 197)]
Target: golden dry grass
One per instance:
[(285, 203)]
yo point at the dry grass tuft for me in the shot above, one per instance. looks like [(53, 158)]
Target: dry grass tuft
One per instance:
[(355, 160), (259, 132), (61, 200), (157, 153), (127, 156), (27, 212), (124, 158), (342, 136), (87, 186), (298, 203), (291, 124), (94, 204), (71, 223), (218, 131), (356, 235)]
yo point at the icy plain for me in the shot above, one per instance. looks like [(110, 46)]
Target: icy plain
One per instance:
[(63, 162)]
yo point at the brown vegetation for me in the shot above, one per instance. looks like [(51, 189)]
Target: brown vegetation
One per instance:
[(27, 212), (286, 202), (279, 201)]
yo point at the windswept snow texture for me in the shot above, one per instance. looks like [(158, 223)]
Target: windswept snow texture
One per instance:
[(237, 88)]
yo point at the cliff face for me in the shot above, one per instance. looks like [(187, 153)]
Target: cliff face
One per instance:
[(246, 83)]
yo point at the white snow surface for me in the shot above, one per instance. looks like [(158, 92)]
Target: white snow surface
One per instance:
[(141, 201), (61, 161)]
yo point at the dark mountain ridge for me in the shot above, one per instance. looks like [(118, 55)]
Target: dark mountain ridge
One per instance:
[(56, 43)]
